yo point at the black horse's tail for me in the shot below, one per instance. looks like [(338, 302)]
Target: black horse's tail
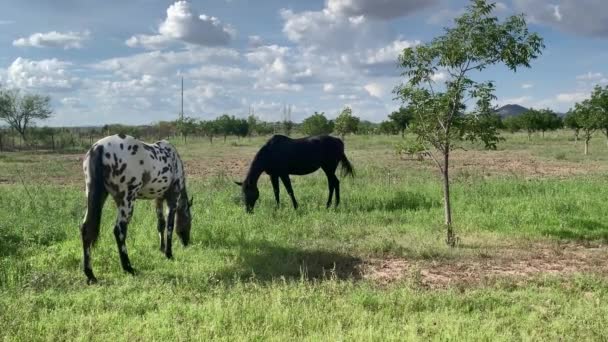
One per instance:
[(347, 167), (97, 194)]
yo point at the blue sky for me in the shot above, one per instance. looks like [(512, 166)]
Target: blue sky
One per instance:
[(120, 61)]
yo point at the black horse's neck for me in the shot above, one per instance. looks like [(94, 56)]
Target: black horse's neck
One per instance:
[(256, 169)]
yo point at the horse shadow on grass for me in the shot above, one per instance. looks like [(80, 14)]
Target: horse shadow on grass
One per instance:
[(581, 230), (266, 262), (400, 200)]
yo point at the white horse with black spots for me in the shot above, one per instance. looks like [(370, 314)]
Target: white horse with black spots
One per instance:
[(127, 169)]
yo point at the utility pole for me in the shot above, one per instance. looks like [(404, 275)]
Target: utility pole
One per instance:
[(181, 114)]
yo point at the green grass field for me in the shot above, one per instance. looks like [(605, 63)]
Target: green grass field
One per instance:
[(531, 261)]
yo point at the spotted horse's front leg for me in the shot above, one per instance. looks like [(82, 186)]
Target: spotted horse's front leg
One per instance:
[(170, 226), (125, 211)]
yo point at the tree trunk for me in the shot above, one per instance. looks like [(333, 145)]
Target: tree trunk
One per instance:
[(586, 146), (543, 134), (529, 135), (451, 237), (225, 138)]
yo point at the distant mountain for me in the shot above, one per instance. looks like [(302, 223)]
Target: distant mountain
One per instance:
[(511, 110)]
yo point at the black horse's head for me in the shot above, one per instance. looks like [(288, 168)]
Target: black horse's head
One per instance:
[(250, 195), (183, 217)]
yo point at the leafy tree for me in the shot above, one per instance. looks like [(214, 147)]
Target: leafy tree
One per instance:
[(401, 119), (346, 122), (387, 127), (240, 127), (264, 128), (20, 111), (531, 121), (587, 119), (317, 124), (570, 122), (287, 126), (549, 121), (366, 127), (186, 126), (599, 103), (478, 40), (512, 124), (225, 125), (252, 122), (208, 129)]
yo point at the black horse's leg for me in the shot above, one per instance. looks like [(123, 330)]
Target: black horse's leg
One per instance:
[(330, 184), (160, 215), (287, 183), (275, 186), (337, 189), (125, 211), (170, 225)]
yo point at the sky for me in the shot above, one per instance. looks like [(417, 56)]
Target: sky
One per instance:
[(116, 61)]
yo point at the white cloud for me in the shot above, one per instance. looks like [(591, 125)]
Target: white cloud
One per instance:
[(588, 17), (218, 73), (148, 42), (325, 30), (444, 16), (527, 85), (571, 97), (328, 87), (182, 24), (439, 76), (256, 41), (590, 76), (72, 102), (160, 62), (522, 101), (66, 40), (43, 75), (378, 9), (375, 89), (389, 53)]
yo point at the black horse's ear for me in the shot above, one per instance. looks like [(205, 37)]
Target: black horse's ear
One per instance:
[(238, 183), (190, 201)]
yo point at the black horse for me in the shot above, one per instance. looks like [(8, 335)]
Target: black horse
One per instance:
[(282, 156)]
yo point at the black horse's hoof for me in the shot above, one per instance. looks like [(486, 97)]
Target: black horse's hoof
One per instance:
[(92, 281), (130, 270), (169, 256)]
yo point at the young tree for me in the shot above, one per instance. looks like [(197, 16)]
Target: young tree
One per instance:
[(20, 111), (225, 125), (208, 129), (587, 119), (317, 124), (346, 122), (186, 126), (531, 121), (252, 122), (512, 124), (241, 127), (388, 128), (478, 40), (549, 121), (570, 122), (366, 127), (401, 119), (599, 103)]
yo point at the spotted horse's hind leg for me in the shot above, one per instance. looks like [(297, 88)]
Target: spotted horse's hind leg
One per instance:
[(125, 211), (160, 216)]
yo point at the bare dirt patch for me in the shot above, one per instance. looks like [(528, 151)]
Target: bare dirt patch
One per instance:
[(512, 263), (519, 163)]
